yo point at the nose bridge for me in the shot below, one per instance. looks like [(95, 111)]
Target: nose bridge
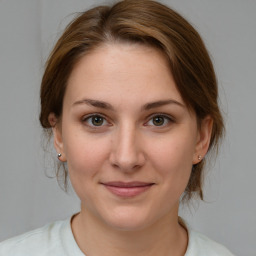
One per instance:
[(126, 151)]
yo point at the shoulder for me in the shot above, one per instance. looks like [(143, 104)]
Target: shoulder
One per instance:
[(43, 241), (200, 245)]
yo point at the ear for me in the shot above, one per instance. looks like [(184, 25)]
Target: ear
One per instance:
[(57, 136), (203, 139)]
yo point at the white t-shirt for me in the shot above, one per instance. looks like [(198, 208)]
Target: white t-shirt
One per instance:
[(57, 239)]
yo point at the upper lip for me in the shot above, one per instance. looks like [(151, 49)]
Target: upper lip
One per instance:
[(130, 184)]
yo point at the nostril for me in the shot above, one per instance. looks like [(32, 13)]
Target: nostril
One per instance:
[(127, 164), (126, 153)]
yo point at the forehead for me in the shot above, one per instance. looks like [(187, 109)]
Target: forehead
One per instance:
[(125, 69)]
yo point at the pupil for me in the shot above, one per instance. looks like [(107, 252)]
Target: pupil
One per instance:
[(158, 121), (97, 120)]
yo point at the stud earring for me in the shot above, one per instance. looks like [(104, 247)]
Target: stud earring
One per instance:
[(59, 155), (199, 157)]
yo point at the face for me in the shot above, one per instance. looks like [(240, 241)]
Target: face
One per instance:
[(127, 136)]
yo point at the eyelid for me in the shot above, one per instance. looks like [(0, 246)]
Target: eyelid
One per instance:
[(86, 117), (92, 115), (164, 115)]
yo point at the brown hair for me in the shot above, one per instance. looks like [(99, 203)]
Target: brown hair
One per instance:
[(150, 23)]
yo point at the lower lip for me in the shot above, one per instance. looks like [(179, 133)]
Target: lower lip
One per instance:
[(128, 191)]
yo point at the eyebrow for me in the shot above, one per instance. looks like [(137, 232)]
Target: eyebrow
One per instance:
[(105, 105), (94, 103), (161, 103)]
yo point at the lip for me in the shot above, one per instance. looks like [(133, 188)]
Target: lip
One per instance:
[(127, 189)]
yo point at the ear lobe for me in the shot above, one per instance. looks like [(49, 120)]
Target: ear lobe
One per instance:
[(57, 136), (203, 140)]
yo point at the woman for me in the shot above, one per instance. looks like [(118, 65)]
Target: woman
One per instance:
[(130, 94)]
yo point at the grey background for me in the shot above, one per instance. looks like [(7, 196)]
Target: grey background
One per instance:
[(28, 199)]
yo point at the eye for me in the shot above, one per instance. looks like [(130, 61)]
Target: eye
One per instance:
[(95, 120), (159, 120)]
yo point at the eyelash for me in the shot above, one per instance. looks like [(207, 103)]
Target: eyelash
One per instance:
[(85, 119), (167, 120)]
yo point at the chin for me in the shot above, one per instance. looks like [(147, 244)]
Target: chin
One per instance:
[(128, 220), (127, 225)]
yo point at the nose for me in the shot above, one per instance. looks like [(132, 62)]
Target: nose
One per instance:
[(127, 153)]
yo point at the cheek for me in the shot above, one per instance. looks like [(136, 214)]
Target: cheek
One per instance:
[(175, 151), (86, 160), (173, 161), (86, 156)]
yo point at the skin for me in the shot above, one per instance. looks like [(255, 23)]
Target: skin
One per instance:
[(133, 140)]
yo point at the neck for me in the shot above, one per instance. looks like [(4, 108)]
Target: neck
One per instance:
[(166, 237)]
